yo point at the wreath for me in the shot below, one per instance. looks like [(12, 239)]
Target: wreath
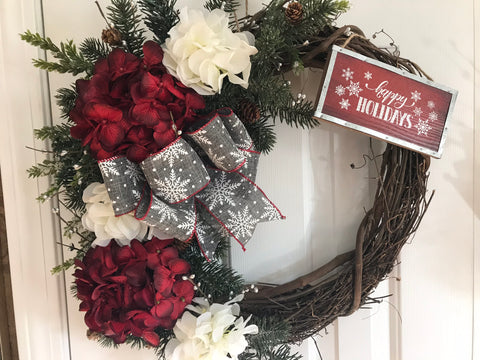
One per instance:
[(155, 162)]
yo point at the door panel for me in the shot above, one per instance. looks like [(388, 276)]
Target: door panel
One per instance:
[(308, 176)]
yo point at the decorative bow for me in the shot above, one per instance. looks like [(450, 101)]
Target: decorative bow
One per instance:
[(201, 184)]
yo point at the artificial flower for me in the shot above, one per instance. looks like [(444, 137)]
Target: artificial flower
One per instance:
[(131, 105), (100, 218), (131, 290), (202, 50), (216, 332)]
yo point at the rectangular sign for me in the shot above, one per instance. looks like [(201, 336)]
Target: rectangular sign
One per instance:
[(385, 102)]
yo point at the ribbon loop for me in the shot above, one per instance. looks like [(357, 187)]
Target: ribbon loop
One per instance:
[(175, 173), (235, 129), (219, 146), (124, 181)]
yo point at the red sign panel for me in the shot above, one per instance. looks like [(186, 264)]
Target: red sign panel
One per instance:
[(385, 102)]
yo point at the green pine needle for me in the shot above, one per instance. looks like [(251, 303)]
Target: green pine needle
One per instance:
[(209, 274), (226, 5), (127, 20), (67, 264), (263, 134), (160, 17), (94, 49), (66, 100), (69, 59)]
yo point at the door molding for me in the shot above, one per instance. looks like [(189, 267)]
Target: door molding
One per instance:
[(39, 301), (476, 190)]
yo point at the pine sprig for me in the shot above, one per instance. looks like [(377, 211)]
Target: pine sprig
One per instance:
[(69, 59), (63, 267), (229, 6), (317, 14), (66, 100), (298, 113), (73, 169), (46, 168), (209, 273), (160, 17), (127, 20), (271, 341), (263, 134), (94, 49)]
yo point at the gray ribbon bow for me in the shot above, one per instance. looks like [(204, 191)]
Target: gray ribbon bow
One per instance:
[(200, 185)]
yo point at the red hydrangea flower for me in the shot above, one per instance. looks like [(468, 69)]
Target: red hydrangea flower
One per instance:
[(131, 290), (130, 105)]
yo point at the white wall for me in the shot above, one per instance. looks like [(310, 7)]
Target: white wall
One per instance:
[(308, 176)]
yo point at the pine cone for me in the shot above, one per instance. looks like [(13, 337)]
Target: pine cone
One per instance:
[(181, 246), (248, 111), (294, 12), (112, 37), (93, 335)]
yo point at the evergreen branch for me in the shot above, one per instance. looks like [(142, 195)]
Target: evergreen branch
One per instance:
[(66, 100), (74, 168), (94, 49), (208, 273), (271, 341), (160, 17), (263, 134), (45, 168), (295, 113), (69, 59), (67, 264), (123, 14), (228, 6), (52, 191)]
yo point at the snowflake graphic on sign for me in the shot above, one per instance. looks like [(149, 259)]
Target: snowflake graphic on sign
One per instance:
[(431, 104), (347, 74), (368, 75), (344, 104), (340, 90), (418, 111), (415, 96), (241, 223), (173, 153), (220, 191), (354, 88), (173, 188), (433, 116), (422, 127)]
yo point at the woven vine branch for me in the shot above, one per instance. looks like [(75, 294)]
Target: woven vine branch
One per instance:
[(338, 288)]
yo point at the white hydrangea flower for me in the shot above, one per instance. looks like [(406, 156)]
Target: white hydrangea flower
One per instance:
[(217, 333), (100, 218), (202, 50)]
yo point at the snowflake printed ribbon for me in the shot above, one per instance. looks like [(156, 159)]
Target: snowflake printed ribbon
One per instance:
[(201, 184)]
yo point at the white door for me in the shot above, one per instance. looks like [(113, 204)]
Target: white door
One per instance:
[(430, 315)]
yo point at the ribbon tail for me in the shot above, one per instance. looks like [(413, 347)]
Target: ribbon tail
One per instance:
[(237, 204), (167, 220), (209, 231)]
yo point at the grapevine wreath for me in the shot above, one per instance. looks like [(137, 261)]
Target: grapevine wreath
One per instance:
[(155, 161)]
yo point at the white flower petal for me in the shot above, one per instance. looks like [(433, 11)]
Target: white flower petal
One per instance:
[(100, 218), (202, 50)]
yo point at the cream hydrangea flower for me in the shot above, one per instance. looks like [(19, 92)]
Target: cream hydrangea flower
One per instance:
[(217, 333), (202, 50), (100, 218)]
